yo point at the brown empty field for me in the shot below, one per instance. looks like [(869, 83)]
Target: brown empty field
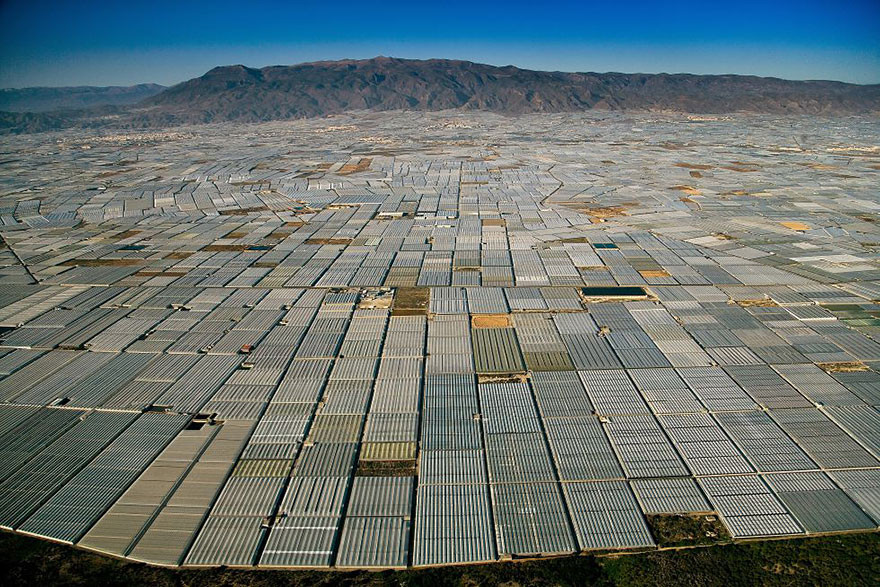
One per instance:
[(742, 167), (409, 301), (502, 378), (795, 225), (602, 212), (672, 530), (843, 367), (328, 241), (760, 303), (689, 190), (491, 321), (362, 165), (126, 234), (561, 241)]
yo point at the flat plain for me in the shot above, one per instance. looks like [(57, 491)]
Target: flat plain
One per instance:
[(384, 340)]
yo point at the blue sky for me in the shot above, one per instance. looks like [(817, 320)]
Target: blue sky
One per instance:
[(83, 42)]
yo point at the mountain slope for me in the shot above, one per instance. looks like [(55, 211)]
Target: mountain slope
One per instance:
[(315, 89)]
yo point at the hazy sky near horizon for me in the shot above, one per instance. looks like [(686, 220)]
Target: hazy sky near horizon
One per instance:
[(85, 42)]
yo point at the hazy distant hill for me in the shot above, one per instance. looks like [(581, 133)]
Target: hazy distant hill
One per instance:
[(238, 93), (49, 99)]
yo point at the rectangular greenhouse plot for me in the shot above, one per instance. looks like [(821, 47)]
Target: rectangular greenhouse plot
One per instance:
[(822, 439), (716, 390), (314, 496), (381, 496), (376, 541), (665, 392), (518, 458), (326, 460), (560, 395), (460, 467), (388, 451), (863, 487), (589, 351), (862, 422), (612, 393), (62, 380), (227, 540), (11, 417), (34, 433), (548, 361), (68, 514), (817, 503), (248, 496), (677, 495), (453, 525), (486, 300), (496, 351), (580, 449), (383, 426), (456, 431), (748, 507), (169, 536), (447, 300), (531, 519), (336, 428), (767, 387), (606, 516), (301, 541), (817, 385), (508, 408), (865, 384), (765, 444), (705, 447), (23, 492), (116, 531), (642, 447)]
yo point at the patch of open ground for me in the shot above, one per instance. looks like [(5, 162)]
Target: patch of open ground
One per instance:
[(409, 301), (687, 529)]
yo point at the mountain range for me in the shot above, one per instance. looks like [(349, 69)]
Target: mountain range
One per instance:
[(243, 94)]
